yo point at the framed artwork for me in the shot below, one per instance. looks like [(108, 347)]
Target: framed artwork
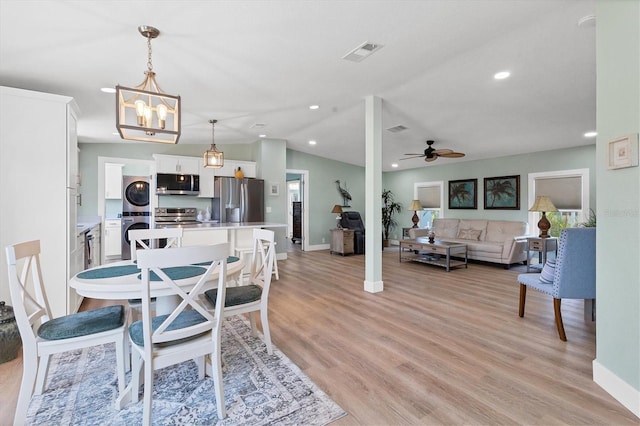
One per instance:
[(463, 194), (274, 189), (502, 193), (623, 152)]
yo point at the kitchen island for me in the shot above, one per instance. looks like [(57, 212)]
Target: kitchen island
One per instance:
[(236, 234)]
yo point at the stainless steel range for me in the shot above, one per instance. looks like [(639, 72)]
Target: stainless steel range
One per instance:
[(165, 216)]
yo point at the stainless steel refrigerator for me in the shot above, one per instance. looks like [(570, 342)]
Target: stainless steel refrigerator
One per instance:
[(238, 200)]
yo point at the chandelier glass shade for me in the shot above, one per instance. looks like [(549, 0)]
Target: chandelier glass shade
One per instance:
[(144, 112), (213, 158)]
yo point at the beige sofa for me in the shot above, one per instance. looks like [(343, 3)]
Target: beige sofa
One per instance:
[(499, 241)]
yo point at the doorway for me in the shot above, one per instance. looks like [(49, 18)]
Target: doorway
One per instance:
[(297, 214)]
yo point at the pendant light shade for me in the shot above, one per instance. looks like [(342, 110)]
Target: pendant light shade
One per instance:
[(144, 112), (213, 158)]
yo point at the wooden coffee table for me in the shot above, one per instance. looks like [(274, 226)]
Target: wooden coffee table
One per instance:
[(437, 253)]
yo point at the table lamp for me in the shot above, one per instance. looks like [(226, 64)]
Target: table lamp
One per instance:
[(543, 204), (415, 206), (337, 209)]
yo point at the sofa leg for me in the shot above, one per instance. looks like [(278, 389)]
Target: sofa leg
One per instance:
[(523, 297), (558, 313)]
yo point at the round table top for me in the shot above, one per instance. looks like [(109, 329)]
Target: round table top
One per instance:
[(121, 280)]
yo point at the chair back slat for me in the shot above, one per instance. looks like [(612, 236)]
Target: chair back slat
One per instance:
[(262, 259), (150, 239), (157, 260), (29, 300)]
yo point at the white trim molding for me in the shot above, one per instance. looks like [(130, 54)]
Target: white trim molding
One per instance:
[(623, 392), (373, 286)]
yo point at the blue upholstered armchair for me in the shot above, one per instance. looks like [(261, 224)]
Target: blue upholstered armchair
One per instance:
[(573, 276)]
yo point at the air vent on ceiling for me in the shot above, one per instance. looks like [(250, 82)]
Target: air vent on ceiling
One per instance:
[(362, 51), (257, 125), (397, 129)]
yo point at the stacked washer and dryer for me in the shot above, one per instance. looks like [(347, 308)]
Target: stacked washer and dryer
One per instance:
[(136, 213)]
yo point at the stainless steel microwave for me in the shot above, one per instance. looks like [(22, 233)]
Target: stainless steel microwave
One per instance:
[(176, 184)]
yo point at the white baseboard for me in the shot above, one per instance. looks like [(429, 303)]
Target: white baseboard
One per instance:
[(373, 286), (319, 247), (623, 392)]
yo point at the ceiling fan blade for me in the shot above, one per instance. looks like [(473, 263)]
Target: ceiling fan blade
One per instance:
[(409, 158), (442, 151), (434, 158), (452, 155)]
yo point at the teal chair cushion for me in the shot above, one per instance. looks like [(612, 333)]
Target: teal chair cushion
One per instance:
[(184, 319), (237, 295), (83, 323)]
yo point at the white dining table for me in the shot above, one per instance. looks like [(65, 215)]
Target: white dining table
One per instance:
[(121, 280)]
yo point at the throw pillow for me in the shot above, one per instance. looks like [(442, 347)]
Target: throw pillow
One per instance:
[(548, 270), (469, 234)]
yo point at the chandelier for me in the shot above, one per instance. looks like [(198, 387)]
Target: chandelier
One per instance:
[(213, 158), (144, 112)]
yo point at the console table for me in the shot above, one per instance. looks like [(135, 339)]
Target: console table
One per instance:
[(542, 246), (342, 241), (437, 253)]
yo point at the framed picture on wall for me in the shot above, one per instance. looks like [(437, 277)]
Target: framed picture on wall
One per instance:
[(274, 189), (463, 194), (623, 152), (502, 193)]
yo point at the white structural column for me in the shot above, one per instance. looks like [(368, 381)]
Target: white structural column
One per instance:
[(373, 189)]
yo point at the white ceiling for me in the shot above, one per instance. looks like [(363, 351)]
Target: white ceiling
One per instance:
[(248, 62)]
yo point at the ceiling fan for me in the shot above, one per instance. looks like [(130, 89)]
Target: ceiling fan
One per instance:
[(431, 154)]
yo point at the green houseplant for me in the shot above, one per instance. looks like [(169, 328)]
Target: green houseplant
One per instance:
[(389, 208)]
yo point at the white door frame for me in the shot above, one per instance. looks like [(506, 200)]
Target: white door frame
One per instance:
[(304, 186)]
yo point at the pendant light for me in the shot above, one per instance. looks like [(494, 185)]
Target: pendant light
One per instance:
[(213, 158), (144, 112)]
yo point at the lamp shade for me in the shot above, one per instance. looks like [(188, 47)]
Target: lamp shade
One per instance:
[(543, 204), (415, 205), (336, 209)]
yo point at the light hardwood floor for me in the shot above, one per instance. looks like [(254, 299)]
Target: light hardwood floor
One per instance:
[(432, 348)]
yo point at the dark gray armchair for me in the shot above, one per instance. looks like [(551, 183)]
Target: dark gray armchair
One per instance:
[(352, 220)]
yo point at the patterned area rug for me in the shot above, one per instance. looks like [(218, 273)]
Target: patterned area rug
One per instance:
[(260, 389)]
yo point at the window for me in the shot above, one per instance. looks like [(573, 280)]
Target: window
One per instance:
[(431, 196), (569, 192)]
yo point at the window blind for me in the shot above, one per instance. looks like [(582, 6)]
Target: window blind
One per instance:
[(429, 197), (565, 192)]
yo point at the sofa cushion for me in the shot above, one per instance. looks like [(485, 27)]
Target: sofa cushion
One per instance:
[(502, 230), (475, 224), (469, 234), (445, 228)]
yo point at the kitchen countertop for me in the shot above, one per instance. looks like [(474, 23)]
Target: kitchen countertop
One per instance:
[(84, 226), (225, 226)]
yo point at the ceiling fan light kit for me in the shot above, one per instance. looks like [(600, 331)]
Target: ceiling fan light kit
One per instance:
[(144, 112)]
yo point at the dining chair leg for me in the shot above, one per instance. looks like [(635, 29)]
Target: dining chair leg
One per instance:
[(43, 370), (29, 370), (523, 297), (200, 363), (252, 321), (558, 314), (216, 367), (147, 403), (121, 363), (136, 373), (265, 330)]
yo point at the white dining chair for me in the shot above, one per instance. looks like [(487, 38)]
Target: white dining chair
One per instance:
[(253, 297), (148, 239), (43, 335), (191, 331)]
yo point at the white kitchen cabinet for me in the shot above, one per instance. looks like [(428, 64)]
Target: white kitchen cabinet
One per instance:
[(96, 249), (112, 238), (230, 166), (46, 155), (113, 181), (206, 181), (177, 164)]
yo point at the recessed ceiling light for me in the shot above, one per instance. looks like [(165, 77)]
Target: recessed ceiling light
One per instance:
[(262, 136), (115, 134), (591, 134), (501, 75), (314, 106), (394, 165), (312, 142), (108, 90)]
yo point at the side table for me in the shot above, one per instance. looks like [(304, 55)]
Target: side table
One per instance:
[(542, 246), (342, 241)]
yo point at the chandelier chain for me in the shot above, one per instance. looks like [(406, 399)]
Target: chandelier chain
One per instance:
[(149, 63)]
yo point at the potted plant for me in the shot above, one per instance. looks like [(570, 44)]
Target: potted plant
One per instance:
[(389, 208)]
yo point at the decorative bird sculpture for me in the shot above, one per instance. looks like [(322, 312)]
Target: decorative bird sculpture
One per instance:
[(346, 197)]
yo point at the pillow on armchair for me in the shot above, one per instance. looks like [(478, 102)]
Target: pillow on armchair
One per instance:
[(548, 271)]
